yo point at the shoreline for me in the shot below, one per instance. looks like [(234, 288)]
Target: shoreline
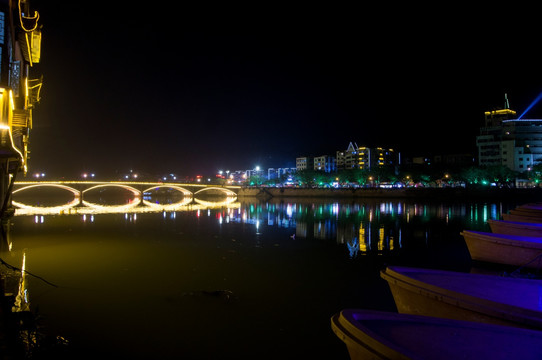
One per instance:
[(529, 194)]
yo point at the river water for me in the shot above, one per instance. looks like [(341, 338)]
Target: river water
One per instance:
[(247, 279)]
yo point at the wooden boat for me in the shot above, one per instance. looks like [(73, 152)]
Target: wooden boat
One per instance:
[(526, 212), (531, 206), (515, 228), (462, 296), (522, 218), (504, 249), (384, 335)]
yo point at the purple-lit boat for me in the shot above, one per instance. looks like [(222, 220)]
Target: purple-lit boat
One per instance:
[(383, 335), (524, 211), (530, 206), (504, 249), (515, 228), (462, 296), (522, 218)]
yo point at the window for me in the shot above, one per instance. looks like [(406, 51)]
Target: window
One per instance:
[(2, 25)]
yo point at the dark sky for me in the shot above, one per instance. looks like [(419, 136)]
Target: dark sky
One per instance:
[(175, 88)]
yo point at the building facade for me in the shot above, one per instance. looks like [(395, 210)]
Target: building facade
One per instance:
[(505, 140), (20, 50), (365, 158), (304, 163), (325, 163)]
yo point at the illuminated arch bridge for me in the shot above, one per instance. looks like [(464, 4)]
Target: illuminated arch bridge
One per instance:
[(138, 189)]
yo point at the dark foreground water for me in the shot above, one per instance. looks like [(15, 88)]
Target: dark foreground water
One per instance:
[(254, 279)]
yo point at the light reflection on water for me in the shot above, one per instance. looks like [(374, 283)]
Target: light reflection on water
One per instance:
[(141, 277), (362, 227)]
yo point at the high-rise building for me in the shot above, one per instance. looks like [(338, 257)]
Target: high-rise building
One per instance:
[(506, 140)]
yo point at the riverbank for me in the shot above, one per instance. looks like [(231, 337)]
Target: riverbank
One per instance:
[(530, 194)]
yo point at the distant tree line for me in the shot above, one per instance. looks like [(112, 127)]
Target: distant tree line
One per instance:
[(426, 176)]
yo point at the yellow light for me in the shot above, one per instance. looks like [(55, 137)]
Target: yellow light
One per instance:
[(36, 17), (11, 103), (362, 243), (500, 112)]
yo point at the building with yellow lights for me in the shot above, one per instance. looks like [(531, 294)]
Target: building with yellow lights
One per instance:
[(505, 140), (20, 49), (361, 157)]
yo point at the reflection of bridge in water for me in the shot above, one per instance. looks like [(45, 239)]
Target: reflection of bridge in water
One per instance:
[(138, 189)]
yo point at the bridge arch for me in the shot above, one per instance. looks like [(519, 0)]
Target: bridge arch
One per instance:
[(187, 199), (74, 202), (205, 203), (137, 197), (178, 188), (61, 186), (126, 187), (228, 192)]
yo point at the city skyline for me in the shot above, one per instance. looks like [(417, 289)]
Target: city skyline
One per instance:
[(193, 90)]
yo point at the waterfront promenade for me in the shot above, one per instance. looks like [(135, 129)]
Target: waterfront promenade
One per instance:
[(527, 194)]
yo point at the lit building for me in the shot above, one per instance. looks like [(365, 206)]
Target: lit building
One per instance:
[(325, 163), (349, 158), (255, 172), (356, 157), (505, 140), (238, 176), (304, 163), (20, 49), (285, 172)]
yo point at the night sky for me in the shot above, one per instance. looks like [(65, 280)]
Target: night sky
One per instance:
[(174, 88)]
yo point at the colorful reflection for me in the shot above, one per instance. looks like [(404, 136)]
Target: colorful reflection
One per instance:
[(371, 227)]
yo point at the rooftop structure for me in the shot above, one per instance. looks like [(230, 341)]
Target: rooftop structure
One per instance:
[(505, 140)]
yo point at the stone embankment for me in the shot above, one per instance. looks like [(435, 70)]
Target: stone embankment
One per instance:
[(530, 195)]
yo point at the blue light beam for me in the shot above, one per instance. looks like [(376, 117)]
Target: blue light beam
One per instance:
[(535, 101)]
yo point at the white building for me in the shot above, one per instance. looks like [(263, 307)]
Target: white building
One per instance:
[(504, 140)]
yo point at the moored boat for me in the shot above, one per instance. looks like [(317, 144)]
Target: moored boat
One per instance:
[(382, 335), (531, 206), (522, 218), (504, 249), (526, 212), (515, 228), (462, 296)]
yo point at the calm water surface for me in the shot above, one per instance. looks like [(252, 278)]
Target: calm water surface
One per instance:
[(246, 280)]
